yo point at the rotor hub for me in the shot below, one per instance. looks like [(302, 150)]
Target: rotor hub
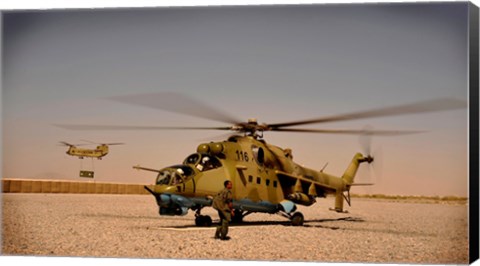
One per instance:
[(251, 128)]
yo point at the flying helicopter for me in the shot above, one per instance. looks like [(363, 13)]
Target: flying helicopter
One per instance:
[(265, 177), (100, 151)]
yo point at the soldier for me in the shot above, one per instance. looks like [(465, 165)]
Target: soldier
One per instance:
[(223, 204)]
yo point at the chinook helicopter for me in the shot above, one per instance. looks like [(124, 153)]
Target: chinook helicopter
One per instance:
[(265, 177), (99, 152)]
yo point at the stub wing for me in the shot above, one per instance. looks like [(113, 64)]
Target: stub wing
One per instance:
[(294, 183)]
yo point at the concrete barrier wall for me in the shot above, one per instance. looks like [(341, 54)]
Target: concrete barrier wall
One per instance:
[(50, 186)]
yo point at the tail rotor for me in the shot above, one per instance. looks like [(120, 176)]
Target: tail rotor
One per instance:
[(374, 157)]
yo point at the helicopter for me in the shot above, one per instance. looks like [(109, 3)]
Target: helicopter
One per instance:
[(100, 151), (265, 177)]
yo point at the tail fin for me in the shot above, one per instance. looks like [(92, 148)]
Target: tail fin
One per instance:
[(348, 177), (352, 168)]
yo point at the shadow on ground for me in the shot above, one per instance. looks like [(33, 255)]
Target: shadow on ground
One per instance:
[(307, 223)]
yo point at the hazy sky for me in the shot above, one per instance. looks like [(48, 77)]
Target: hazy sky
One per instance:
[(275, 63)]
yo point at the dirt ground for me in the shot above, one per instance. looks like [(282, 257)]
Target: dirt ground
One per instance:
[(128, 226)]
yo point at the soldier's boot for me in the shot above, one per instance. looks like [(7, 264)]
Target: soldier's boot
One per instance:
[(218, 232)]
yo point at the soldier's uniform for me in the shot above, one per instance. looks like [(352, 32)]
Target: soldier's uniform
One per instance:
[(221, 203)]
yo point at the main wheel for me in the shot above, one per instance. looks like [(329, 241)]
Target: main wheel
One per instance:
[(237, 217), (297, 219), (203, 220)]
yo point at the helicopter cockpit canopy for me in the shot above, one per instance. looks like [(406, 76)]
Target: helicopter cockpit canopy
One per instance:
[(174, 175), (203, 162)]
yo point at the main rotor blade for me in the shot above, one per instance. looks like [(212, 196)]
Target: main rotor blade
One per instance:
[(118, 127), (89, 141), (71, 145), (349, 131), (414, 108), (97, 143), (177, 103)]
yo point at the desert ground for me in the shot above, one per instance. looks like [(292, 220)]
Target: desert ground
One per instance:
[(128, 226)]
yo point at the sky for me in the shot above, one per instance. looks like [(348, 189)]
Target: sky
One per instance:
[(273, 63)]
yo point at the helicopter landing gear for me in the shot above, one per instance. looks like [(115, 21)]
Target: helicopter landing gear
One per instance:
[(297, 219), (203, 220), (239, 215)]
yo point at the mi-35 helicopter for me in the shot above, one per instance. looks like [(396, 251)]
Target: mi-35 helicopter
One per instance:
[(100, 151), (265, 178)]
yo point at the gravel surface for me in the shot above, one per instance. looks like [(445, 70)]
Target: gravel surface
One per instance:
[(129, 226)]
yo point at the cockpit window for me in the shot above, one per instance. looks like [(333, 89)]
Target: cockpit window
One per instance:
[(203, 162), (208, 162), (163, 177), (192, 159), (174, 175)]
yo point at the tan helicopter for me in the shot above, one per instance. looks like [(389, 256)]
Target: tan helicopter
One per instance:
[(265, 178), (100, 151)]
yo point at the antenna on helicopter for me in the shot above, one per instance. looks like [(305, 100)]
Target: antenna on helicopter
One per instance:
[(323, 168)]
